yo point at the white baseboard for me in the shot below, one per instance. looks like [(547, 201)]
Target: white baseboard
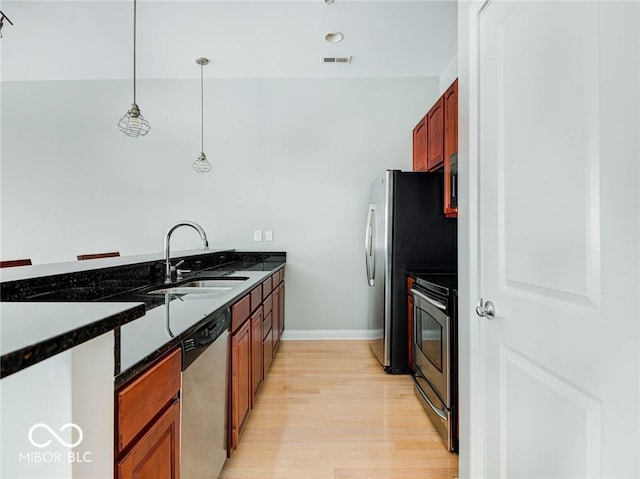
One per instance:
[(337, 334)]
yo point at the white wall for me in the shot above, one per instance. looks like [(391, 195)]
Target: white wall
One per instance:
[(448, 75), (293, 156)]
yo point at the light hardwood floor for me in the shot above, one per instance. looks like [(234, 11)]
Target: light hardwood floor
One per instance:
[(327, 410)]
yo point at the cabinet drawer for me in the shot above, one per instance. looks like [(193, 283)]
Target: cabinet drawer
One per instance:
[(139, 401), (277, 278), (267, 285), (267, 305), (256, 297), (240, 311), (266, 325)]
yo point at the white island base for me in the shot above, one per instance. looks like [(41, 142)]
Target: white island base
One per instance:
[(56, 416)]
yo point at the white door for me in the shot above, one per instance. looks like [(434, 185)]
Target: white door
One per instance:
[(558, 154)]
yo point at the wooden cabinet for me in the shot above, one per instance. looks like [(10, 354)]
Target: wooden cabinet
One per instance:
[(240, 380), (420, 145), (435, 136), (450, 151), (256, 353), (240, 311), (281, 311), (276, 316), (435, 145), (148, 421), (278, 309), (252, 349), (256, 297), (267, 285), (157, 453), (268, 342)]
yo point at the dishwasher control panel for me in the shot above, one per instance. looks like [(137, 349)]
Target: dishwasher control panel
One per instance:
[(197, 342)]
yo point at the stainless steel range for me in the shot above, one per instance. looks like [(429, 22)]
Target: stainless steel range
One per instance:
[(435, 351)]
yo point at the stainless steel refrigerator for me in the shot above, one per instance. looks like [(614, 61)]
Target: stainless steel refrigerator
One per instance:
[(406, 230)]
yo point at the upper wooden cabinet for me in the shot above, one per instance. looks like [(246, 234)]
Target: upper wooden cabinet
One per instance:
[(435, 145), (435, 136), (451, 151), (420, 145)]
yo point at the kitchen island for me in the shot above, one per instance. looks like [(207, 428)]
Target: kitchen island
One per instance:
[(71, 336)]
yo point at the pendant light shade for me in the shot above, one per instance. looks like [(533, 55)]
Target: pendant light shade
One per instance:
[(133, 123), (202, 165)]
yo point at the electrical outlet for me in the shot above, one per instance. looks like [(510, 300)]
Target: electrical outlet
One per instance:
[(268, 235), (257, 235)]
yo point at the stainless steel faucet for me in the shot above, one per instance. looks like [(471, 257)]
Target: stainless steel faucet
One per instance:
[(167, 239)]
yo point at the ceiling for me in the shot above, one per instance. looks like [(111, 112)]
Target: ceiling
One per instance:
[(90, 40)]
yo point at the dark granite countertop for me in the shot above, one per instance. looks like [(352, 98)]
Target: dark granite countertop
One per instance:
[(168, 323), (45, 314), (32, 332), (66, 268)]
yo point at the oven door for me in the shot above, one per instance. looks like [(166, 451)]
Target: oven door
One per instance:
[(432, 345)]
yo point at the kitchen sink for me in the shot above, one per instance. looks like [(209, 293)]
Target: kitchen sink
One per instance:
[(203, 286)]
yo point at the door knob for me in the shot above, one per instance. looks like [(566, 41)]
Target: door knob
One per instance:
[(485, 310)]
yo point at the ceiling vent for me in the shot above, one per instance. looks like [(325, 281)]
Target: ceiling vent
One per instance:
[(336, 59)]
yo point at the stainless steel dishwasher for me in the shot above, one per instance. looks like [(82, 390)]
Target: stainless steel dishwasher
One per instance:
[(205, 374)]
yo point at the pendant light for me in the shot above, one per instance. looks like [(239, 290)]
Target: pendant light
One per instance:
[(202, 165), (133, 123)]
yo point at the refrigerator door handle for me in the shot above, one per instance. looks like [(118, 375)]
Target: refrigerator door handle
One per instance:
[(368, 247)]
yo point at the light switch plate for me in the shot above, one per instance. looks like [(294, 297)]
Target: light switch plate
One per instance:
[(257, 235), (268, 235)]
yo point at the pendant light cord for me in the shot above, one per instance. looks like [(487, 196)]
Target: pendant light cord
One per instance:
[(201, 109), (134, 51)]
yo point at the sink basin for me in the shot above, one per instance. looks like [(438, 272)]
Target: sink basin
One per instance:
[(202, 286), (210, 283)]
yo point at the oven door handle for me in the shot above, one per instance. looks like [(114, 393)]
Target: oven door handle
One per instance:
[(437, 304), (440, 412)]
